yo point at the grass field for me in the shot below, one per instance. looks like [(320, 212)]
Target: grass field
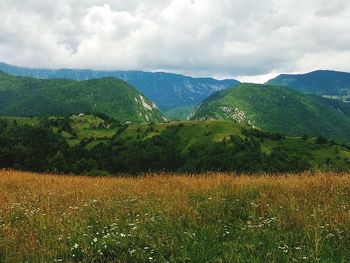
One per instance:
[(165, 218)]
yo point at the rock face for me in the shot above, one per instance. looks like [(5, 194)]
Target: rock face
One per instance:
[(167, 90)]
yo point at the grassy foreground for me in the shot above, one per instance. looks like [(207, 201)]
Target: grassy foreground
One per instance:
[(164, 218)]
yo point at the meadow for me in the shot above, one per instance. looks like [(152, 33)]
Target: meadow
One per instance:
[(172, 218)]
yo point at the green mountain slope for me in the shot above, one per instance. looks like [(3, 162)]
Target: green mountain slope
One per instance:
[(278, 109), (322, 82), (167, 90), (22, 96)]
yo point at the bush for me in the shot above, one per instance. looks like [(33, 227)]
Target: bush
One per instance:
[(321, 140), (305, 137)]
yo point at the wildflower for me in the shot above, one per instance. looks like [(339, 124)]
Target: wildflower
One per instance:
[(284, 248), (95, 239), (76, 245)]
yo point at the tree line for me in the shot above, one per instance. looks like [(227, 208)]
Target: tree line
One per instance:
[(40, 149)]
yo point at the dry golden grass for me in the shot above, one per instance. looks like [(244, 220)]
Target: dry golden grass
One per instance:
[(161, 217)]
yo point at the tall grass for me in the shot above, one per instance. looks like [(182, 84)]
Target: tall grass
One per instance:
[(165, 218)]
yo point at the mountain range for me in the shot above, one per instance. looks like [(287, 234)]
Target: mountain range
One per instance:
[(168, 91), (24, 96), (290, 104), (327, 83), (278, 109)]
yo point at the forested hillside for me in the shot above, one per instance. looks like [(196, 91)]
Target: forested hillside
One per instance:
[(278, 109), (23, 96), (100, 145)]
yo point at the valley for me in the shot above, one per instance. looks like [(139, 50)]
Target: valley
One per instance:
[(105, 126)]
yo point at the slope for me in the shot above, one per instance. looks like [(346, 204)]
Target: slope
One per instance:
[(23, 96), (278, 109), (322, 82)]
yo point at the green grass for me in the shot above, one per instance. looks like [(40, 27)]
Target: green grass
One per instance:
[(21, 120)]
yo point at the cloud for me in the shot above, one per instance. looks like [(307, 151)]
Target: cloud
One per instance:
[(197, 37)]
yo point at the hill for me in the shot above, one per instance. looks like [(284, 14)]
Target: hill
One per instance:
[(99, 145), (278, 109), (167, 90), (333, 84), (24, 96)]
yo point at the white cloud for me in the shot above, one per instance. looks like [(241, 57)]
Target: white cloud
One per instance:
[(250, 38)]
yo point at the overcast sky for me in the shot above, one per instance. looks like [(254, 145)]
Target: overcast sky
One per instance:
[(251, 40)]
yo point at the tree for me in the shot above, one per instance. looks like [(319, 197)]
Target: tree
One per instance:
[(305, 137), (321, 140), (58, 163), (85, 166)]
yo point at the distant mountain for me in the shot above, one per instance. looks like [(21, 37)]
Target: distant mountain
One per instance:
[(167, 90), (24, 96), (325, 83), (278, 109)]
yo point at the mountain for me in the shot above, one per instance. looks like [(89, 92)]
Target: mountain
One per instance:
[(332, 84), (24, 96), (278, 109), (167, 90)]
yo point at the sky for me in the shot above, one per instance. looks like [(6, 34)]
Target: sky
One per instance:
[(251, 40)]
